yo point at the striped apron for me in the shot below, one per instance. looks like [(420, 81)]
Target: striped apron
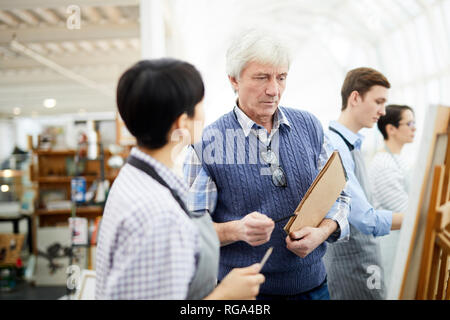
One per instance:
[(354, 267)]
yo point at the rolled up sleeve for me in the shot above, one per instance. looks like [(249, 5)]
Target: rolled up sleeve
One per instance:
[(339, 213), (202, 194)]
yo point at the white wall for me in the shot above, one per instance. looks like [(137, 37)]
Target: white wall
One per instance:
[(21, 127), (409, 43)]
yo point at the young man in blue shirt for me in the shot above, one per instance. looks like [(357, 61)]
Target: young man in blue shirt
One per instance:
[(354, 267)]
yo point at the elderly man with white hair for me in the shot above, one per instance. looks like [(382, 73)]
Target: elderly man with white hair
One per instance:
[(253, 167)]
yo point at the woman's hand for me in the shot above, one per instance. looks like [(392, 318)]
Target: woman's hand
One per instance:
[(239, 284)]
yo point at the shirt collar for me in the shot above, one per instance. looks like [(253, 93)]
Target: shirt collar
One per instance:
[(356, 139), (175, 182), (248, 124)]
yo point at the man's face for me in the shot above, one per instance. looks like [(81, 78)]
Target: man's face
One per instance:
[(370, 107), (260, 88)]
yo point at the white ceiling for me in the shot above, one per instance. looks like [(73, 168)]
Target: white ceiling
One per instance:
[(341, 33), (106, 43)]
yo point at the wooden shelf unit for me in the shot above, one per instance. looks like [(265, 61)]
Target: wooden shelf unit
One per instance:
[(50, 172), (80, 211)]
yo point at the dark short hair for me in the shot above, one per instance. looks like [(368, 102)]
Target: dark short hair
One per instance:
[(361, 80), (393, 116), (152, 94)]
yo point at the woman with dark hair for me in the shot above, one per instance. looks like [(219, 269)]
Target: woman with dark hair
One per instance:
[(150, 246), (388, 173)]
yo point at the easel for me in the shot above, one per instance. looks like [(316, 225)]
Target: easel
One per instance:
[(425, 273), (434, 271)]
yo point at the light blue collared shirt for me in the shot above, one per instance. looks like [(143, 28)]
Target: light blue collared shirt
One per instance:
[(362, 215)]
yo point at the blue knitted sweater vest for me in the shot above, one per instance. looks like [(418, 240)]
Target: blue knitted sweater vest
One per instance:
[(233, 162)]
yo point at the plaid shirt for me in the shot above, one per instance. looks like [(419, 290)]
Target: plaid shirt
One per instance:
[(203, 190), (147, 244)]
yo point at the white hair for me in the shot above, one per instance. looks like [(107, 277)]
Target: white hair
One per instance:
[(256, 45)]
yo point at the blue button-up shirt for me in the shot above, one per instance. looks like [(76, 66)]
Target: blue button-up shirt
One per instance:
[(362, 215)]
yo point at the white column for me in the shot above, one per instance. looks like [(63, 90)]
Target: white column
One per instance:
[(153, 41), (7, 138)]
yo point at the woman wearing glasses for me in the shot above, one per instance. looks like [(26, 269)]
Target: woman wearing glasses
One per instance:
[(388, 172), (150, 246)]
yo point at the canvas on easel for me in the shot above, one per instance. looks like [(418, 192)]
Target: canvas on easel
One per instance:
[(419, 217)]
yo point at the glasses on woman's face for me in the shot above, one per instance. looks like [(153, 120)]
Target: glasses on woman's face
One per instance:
[(411, 124), (278, 175)]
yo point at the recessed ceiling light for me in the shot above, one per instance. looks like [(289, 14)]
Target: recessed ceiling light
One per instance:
[(49, 103), (7, 173), (17, 111)]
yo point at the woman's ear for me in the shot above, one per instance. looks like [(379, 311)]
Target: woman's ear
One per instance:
[(181, 122), (390, 130), (180, 128)]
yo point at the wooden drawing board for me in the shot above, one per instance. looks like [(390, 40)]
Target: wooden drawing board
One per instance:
[(321, 195)]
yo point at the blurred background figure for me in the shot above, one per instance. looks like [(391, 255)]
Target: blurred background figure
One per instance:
[(389, 173)]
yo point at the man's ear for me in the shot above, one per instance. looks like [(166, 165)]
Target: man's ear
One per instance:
[(234, 83), (354, 98)]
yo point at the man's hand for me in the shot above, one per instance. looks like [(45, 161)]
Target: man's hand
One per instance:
[(255, 228), (305, 240)]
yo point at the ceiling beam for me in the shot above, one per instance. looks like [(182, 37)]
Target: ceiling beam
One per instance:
[(69, 46), (30, 80), (87, 46), (48, 15), (75, 97), (17, 46), (61, 33), (103, 45), (31, 4), (79, 59), (92, 14), (119, 44), (38, 47), (54, 47), (26, 16), (9, 19), (113, 14)]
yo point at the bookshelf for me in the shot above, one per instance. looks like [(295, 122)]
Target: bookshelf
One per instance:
[(52, 171)]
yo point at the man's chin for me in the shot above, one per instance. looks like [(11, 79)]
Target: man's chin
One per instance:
[(273, 105), (369, 125), (268, 109)]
